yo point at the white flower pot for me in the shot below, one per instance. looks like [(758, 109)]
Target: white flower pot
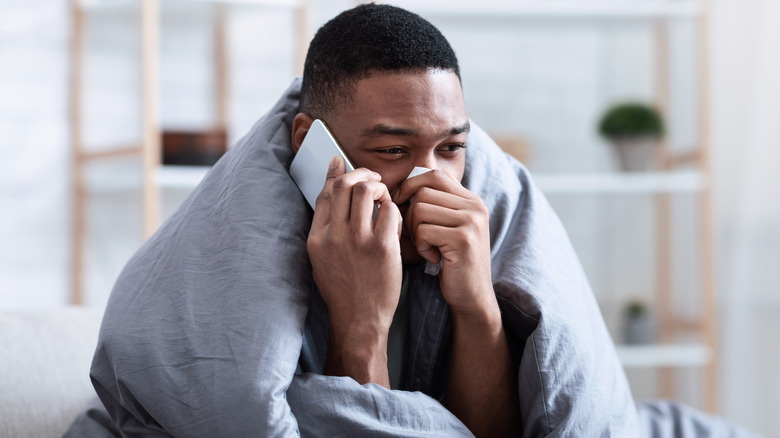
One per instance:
[(639, 330), (637, 154)]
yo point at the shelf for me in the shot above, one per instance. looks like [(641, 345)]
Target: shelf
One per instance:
[(180, 177), (126, 177), (620, 182), (652, 356), (103, 4), (280, 3), (619, 9)]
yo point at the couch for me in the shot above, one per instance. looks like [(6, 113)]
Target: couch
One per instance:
[(44, 369)]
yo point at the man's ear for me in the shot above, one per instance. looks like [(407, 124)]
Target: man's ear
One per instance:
[(300, 127)]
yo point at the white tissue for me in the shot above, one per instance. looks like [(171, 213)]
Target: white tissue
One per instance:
[(418, 171), (430, 268)]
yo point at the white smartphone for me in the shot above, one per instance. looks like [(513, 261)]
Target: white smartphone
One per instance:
[(309, 168)]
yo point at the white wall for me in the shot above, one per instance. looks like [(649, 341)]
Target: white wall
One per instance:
[(34, 195), (746, 110)]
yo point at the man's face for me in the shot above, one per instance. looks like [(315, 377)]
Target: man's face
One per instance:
[(397, 121)]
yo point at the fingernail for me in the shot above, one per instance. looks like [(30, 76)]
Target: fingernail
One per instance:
[(334, 162)]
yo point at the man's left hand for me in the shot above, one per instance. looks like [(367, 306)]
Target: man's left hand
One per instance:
[(449, 223)]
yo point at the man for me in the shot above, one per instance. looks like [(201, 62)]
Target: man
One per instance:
[(390, 114), (208, 322)]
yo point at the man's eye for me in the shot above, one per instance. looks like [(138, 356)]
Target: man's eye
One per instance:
[(393, 151), (454, 147)]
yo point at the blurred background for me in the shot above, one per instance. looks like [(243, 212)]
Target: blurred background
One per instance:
[(681, 242)]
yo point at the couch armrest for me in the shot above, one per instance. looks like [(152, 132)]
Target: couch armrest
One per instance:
[(45, 360)]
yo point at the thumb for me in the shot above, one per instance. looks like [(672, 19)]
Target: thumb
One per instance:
[(336, 168)]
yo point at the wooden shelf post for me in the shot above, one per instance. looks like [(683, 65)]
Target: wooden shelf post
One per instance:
[(711, 392), (150, 117), (78, 190)]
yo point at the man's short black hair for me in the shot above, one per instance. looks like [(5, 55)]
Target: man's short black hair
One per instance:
[(368, 39)]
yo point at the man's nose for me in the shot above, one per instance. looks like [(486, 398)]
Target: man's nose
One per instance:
[(427, 160)]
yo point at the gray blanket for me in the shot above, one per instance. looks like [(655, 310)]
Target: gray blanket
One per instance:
[(203, 330)]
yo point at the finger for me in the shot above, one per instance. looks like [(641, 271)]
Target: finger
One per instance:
[(425, 213), (450, 206), (427, 240), (428, 195), (364, 197), (336, 168), (388, 222), (341, 204), (436, 179)]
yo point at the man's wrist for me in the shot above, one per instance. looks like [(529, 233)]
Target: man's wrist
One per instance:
[(484, 316), (360, 353)]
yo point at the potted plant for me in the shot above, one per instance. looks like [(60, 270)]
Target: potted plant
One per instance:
[(638, 324), (635, 129)]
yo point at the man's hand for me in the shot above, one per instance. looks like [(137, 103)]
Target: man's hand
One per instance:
[(449, 223), (358, 270)]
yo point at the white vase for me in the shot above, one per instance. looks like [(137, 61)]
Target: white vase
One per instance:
[(638, 330), (637, 154)]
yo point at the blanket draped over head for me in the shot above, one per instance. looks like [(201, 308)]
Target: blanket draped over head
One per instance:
[(203, 331)]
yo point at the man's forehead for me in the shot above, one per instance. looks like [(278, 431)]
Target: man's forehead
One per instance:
[(381, 129), (399, 100), (417, 78)]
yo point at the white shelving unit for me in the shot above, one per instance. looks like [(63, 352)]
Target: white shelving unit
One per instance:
[(120, 179), (558, 9), (180, 177), (150, 176), (531, 9), (656, 356), (689, 181)]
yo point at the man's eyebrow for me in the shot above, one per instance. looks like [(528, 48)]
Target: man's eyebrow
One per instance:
[(382, 129), (458, 130)]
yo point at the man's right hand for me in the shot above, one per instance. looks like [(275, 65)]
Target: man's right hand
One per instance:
[(358, 270)]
